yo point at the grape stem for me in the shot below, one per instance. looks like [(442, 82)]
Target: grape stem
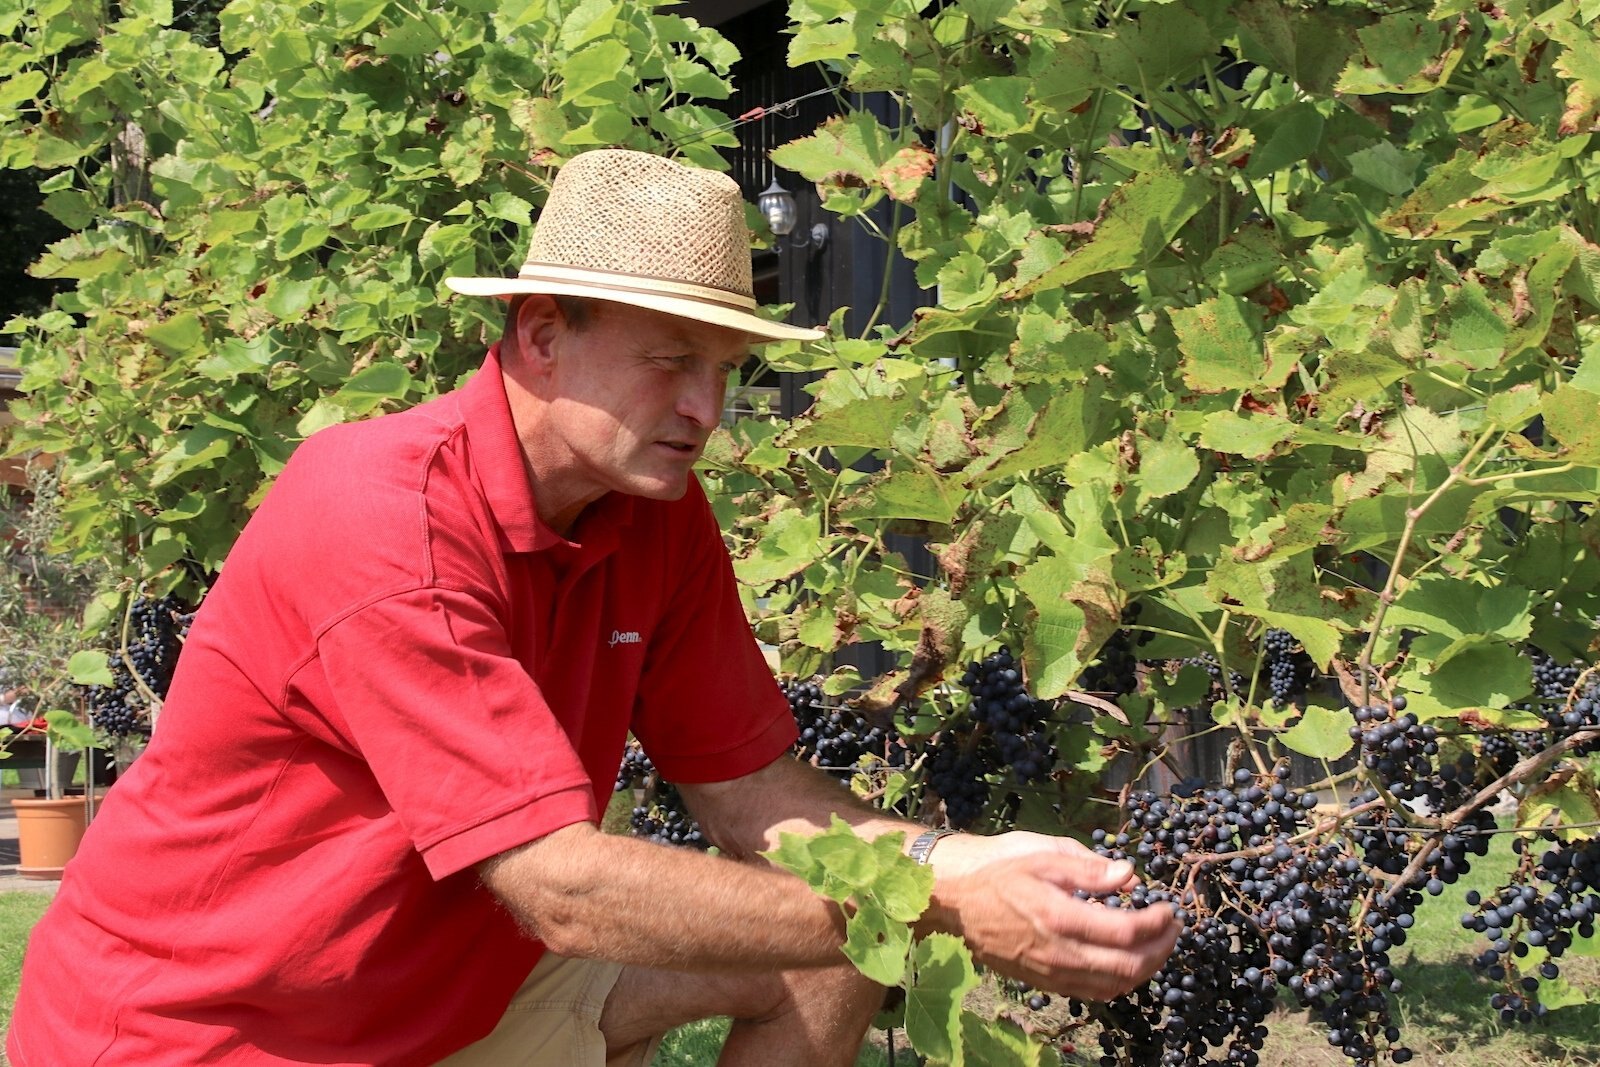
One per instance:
[(1524, 771), (1323, 827)]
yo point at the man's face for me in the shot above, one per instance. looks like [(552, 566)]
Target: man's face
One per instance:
[(633, 397)]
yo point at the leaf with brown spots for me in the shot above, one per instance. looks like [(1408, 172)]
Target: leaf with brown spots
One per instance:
[(902, 176)]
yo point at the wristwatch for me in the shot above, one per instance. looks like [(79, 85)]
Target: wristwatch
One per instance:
[(922, 847)]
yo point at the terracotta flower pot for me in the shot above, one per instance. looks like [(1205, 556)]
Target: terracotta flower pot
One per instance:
[(48, 833)]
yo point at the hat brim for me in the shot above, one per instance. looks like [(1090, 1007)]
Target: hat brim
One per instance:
[(683, 307)]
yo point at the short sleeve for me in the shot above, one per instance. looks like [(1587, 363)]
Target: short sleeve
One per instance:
[(709, 708), (462, 742)]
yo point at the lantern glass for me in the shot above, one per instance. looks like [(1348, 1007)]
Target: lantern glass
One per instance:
[(779, 208)]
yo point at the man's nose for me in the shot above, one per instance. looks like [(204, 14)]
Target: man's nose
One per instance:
[(700, 399)]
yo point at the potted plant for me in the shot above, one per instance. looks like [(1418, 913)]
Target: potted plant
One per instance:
[(43, 724), (49, 827)]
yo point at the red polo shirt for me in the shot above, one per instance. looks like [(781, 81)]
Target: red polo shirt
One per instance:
[(401, 672)]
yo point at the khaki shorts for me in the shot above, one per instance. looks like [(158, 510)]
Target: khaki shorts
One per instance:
[(554, 1021)]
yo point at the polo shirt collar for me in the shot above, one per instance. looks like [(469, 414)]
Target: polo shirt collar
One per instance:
[(498, 460)]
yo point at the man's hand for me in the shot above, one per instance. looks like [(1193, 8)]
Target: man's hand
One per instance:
[(1014, 902), (965, 853)]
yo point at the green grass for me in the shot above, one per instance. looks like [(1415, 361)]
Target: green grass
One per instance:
[(19, 910), (698, 1044)]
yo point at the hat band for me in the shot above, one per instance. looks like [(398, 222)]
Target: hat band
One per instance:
[(642, 284)]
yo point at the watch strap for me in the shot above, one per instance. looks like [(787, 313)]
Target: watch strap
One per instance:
[(922, 847)]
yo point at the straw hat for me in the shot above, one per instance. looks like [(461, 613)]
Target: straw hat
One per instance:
[(642, 230)]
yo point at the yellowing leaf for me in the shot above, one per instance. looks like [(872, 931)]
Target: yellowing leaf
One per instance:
[(1221, 345)]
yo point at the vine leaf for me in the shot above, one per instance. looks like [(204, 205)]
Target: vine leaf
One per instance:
[(1077, 607), (849, 152), (1579, 63), (1559, 993), (1514, 166), (1251, 436), (1000, 104), (1139, 219), (1166, 466), (1321, 733), (89, 667), (180, 335), (1476, 676), (906, 493), (853, 409), (877, 945), (1282, 591), (1569, 416), (68, 731), (944, 975), (1000, 1043), (1406, 52), (1443, 606), (889, 890), (789, 544), (1309, 45)]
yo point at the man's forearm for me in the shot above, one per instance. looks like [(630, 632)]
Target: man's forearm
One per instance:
[(601, 896)]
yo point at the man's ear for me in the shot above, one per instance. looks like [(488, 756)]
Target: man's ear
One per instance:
[(535, 323)]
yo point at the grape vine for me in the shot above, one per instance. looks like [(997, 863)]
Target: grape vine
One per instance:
[(1294, 893)]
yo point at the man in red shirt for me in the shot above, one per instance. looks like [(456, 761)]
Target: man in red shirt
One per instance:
[(366, 831)]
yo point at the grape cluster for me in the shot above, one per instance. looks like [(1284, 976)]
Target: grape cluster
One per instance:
[(1115, 672), (1265, 905), (117, 709), (1564, 710), (1287, 666), (636, 768), (1556, 700), (1020, 991), (1005, 729), (1280, 900), (662, 816), (835, 738), (1546, 903), (1552, 679), (156, 629), (1404, 757), (957, 769), (666, 821), (1017, 724), (1500, 752), (1398, 748)]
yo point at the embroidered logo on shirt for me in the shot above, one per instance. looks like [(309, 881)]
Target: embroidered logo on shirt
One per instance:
[(625, 637)]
